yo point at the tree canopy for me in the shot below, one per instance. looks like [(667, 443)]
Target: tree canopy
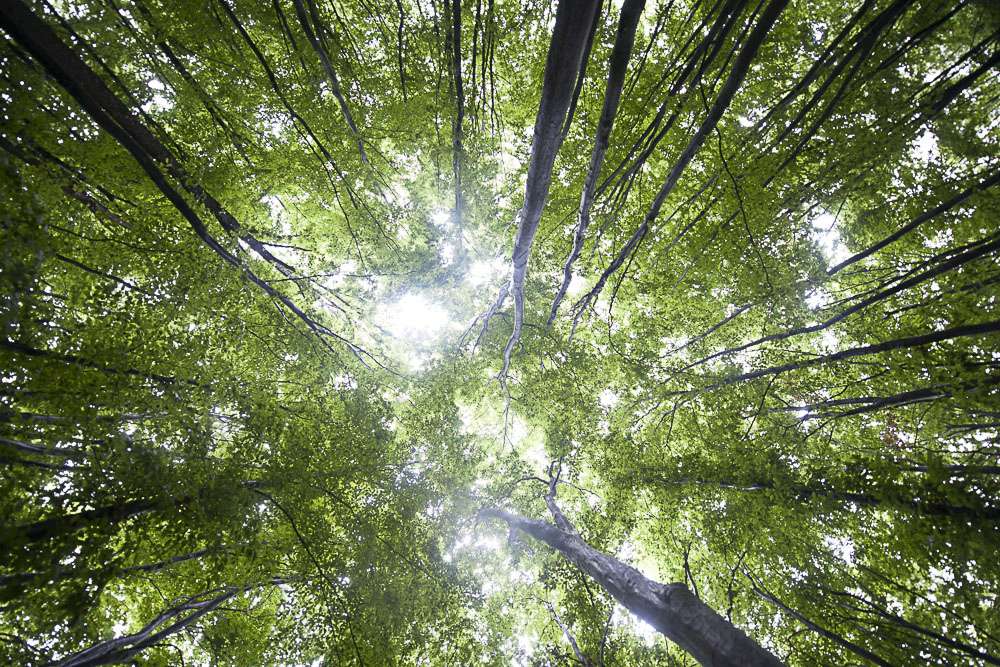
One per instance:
[(371, 332)]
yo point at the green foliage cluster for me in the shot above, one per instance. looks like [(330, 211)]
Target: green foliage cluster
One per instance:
[(236, 445)]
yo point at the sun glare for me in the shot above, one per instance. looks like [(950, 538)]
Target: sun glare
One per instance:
[(412, 316), (827, 237), (484, 272), (441, 218)]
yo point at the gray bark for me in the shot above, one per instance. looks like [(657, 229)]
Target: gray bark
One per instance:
[(960, 198), (741, 66), (124, 648), (316, 39), (456, 128), (670, 608), (569, 41), (101, 104), (967, 330), (624, 40)]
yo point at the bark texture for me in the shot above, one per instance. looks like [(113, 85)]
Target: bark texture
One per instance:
[(624, 41), (569, 42), (670, 608)]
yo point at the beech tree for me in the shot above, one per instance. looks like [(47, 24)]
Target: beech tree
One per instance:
[(545, 333)]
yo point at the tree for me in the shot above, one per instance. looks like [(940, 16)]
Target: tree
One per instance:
[(671, 609), (306, 307)]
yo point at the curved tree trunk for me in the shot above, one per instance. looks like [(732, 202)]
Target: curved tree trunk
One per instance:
[(670, 608), (122, 649)]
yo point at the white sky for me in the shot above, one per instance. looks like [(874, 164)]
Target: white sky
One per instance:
[(827, 237), (413, 316)]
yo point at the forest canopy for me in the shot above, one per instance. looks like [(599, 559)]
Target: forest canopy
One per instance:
[(441, 332)]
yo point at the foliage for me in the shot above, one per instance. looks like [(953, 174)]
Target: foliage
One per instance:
[(781, 391)]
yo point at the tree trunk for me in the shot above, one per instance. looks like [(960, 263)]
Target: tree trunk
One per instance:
[(61, 573), (741, 66), (315, 37), (624, 40), (562, 66), (805, 492), (456, 127), (98, 101), (16, 538), (670, 608), (921, 340), (124, 648)]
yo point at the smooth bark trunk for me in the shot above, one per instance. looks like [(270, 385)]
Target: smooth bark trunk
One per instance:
[(315, 37), (734, 81), (620, 53), (670, 608), (124, 648), (458, 121), (805, 492), (569, 41), (972, 252), (98, 101), (958, 199), (968, 330)]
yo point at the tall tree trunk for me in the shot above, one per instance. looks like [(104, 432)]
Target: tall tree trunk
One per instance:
[(740, 68), (971, 252), (61, 573), (620, 53), (562, 66), (670, 608), (457, 122), (12, 537), (582, 74), (315, 37), (104, 107), (990, 181), (968, 330), (805, 492)]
